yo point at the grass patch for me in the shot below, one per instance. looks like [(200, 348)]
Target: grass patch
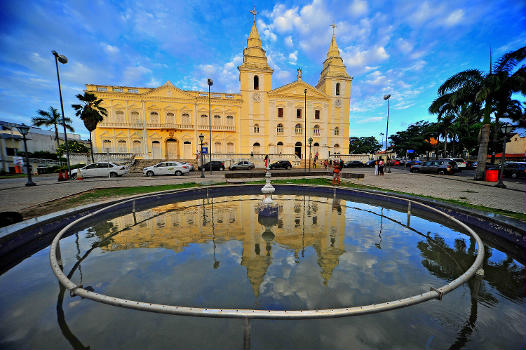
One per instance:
[(14, 176)]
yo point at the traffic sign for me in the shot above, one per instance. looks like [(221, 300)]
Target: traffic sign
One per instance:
[(205, 150)]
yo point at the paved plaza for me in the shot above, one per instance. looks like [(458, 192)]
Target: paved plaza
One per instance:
[(15, 196)]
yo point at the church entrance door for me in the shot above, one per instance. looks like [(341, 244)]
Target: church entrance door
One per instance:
[(297, 149)]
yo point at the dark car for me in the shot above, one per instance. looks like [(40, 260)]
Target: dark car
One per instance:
[(353, 164), (471, 164), (442, 166), (410, 163), (515, 169), (370, 163), (281, 164), (242, 165), (216, 165)]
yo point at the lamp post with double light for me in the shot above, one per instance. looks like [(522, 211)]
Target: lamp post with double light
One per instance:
[(506, 129), (210, 83), (24, 130), (201, 138), (62, 59), (387, 97)]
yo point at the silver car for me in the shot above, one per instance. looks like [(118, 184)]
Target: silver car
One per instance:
[(242, 165), (167, 168), (100, 169)]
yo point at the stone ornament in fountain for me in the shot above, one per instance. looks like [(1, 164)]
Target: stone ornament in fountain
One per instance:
[(268, 207)]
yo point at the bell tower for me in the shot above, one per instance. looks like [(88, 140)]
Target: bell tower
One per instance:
[(336, 83), (255, 77)]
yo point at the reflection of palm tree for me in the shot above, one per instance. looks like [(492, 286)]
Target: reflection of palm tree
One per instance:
[(450, 262)]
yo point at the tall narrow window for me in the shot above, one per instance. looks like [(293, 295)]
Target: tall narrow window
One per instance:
[(229, 120), (336, 131), (316, 130), (337, 89), (298, 113), (256, 82), (217, 120), (317, 114), (135, 117), (280, 112), (298, 129), (256, 128), (154, 118), (204, 120), (170, 118), (279, 128), (186, 119)]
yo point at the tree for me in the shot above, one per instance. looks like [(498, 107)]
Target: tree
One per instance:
[(91, 113), (363, 145), (416, 138), (52, 118), (73, 146)]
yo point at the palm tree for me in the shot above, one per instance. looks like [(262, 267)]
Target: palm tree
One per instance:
[(51, 118), (91, 113)]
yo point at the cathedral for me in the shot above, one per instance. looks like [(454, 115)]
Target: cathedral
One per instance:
[(166, 122)]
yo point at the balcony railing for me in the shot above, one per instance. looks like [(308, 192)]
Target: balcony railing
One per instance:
[(218, 127), (110, 124)]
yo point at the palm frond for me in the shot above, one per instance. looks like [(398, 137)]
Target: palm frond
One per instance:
[(470, 77), (510, 59)]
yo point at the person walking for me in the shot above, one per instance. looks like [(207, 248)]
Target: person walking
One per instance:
[(381, 167), (267, 160), (336, 173), (376, 167)]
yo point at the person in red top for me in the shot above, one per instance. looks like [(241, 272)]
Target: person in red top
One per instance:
[(337, 172)]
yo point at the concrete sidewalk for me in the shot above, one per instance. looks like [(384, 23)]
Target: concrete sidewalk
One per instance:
[(14, 196)]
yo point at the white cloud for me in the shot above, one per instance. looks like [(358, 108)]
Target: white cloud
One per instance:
[(293, 57), (110, 49), (208, 69), (135, 74), (283, 75), (288, 41), (369, 120), (404, 46), (358, 8), (454, 18)]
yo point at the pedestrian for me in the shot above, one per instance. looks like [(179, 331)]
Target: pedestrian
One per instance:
[(325, 164), (336, 173), (267, 160), (376, 167), (381, 167)]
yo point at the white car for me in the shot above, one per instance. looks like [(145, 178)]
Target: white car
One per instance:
[(100, 169), (166, 168)]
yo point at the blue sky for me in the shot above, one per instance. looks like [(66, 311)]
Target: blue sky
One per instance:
[(404, 48)]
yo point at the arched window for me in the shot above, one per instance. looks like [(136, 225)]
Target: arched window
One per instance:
[(121, 146), (256, 148), (135, 118), (298, 129), (316, 147), (316, 130), (106, 146), (256, 128), (336, 131), (230, 147), (280, 147), (217, 120), (337, 89), (154, 118), (204, 120), (170, 118), (279, 128), (229, 120), (186, 119), (119, 117), (256, 82), (137, 147)]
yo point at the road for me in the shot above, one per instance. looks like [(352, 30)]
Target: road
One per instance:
[(15, 196)]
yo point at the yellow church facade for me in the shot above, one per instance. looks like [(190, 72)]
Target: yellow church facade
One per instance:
[(165, 122)]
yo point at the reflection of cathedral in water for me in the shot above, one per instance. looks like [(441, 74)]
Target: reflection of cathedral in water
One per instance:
[(304, 222)]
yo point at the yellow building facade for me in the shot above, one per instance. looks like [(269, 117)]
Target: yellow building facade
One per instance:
[(165, 122)]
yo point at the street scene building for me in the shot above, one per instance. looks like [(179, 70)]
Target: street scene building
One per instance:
[(165, 122)]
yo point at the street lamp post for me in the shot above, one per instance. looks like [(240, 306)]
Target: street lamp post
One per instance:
[(505, 128), (24, 129), (210, 83), (310, 151), (387, 97), (305, 118), (201, 138), (62, 59)]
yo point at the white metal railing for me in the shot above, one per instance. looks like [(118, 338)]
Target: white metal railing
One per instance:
[(217, 127)]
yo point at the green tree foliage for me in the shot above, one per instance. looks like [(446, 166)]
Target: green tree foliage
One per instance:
[(90, 112), (52, 118), (416, 138), (73, 146), (363, 145)]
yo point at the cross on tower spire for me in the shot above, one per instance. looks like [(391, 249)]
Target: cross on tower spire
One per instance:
[(254, 12), (333, 26)]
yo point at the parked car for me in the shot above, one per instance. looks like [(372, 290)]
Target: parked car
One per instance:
[(442, 166), (353, 164), (281, 164), (461, 163), (166, 168), (242, 165), (514, 169), (471, 164), (370, 163), (100, 169), (215, 164), (189, 165), (410, 163)]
